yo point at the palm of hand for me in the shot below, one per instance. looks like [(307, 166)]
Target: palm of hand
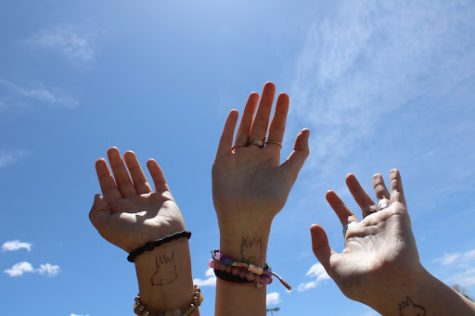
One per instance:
[(249, 181), (379, 250), (129, 214)]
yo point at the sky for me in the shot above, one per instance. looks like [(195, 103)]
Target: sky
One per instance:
[(381, 84)]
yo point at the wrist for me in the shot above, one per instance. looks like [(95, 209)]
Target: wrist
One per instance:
[(164, 276), (245, 244), (405, 292)]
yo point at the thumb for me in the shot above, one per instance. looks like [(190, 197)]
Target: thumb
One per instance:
[(296, 159), (100, 211), (321, 247)]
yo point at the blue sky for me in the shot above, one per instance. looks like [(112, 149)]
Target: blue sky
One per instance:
[(381, 84)]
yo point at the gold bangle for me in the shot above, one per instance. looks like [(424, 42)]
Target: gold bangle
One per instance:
[(196, 300)]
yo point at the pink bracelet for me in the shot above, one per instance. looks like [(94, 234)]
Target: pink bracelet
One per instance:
[(253, 273)]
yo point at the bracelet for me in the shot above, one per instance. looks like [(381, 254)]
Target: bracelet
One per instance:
[(230, 270), (196, 300), (156, 243)]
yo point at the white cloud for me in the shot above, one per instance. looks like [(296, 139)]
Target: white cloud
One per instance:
[(48, 269), (14, 245), (368, 58), (210, 279), (448, 258), (73, 314), (9, 157), (73, 42), (316, 271), (17, 96), (457, 258), (464, 278), (273, 298), (18, 269)]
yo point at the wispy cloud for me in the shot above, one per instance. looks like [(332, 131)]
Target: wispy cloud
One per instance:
[(459, 266), (9, 157), (14, 245), (464, 278), (370, 58), (457, 258), (210, 279), (273, 298), (14, 96), (317, 272), (48, 269), (74, 314), (18, 269), (76, 43)]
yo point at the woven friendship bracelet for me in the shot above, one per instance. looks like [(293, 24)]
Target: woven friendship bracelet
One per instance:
[(156, 243), (230, 270)]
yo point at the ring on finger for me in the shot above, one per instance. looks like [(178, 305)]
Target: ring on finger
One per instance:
[(383, 203), (258, 142), (372, 209), (274, 142)]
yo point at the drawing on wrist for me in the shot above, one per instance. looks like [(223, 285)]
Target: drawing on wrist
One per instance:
[(165, 272), (251, 249), (408, 308)]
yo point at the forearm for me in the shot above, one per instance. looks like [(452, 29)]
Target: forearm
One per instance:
[(164, 277), (242, 298), (425, 295)]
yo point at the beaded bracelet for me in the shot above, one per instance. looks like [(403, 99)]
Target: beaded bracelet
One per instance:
[(196, 300), (149, 246), (244, 270)]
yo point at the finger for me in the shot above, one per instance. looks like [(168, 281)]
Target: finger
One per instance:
[(261, 121), (157, 175), (297, 157), (121, 175), (397, 191), (341, 210), (226, 141), (277, 127), (99, 212), (106, 181), (320, 246), (138, 177), (359, 194), (246, 120), (379, 187)]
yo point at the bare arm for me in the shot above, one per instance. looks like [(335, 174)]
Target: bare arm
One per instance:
[(380, 264), (129, 214), (250, 186)]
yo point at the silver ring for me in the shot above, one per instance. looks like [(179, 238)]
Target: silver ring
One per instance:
[(257, 142), (274, 142), (383, 203)]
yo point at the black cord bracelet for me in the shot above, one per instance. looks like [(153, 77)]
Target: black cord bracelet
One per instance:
[(156, 243), (223, 275)]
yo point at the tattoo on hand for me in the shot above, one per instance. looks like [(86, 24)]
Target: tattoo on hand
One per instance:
[(165, 272), (408, 308), (251, 249)]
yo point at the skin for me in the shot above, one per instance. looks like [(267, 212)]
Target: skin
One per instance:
[(129, 213), (250, 186), (380, 265)]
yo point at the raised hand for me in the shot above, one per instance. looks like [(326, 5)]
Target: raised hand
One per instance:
[(250, 185), (380, 251), (128, 213)]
